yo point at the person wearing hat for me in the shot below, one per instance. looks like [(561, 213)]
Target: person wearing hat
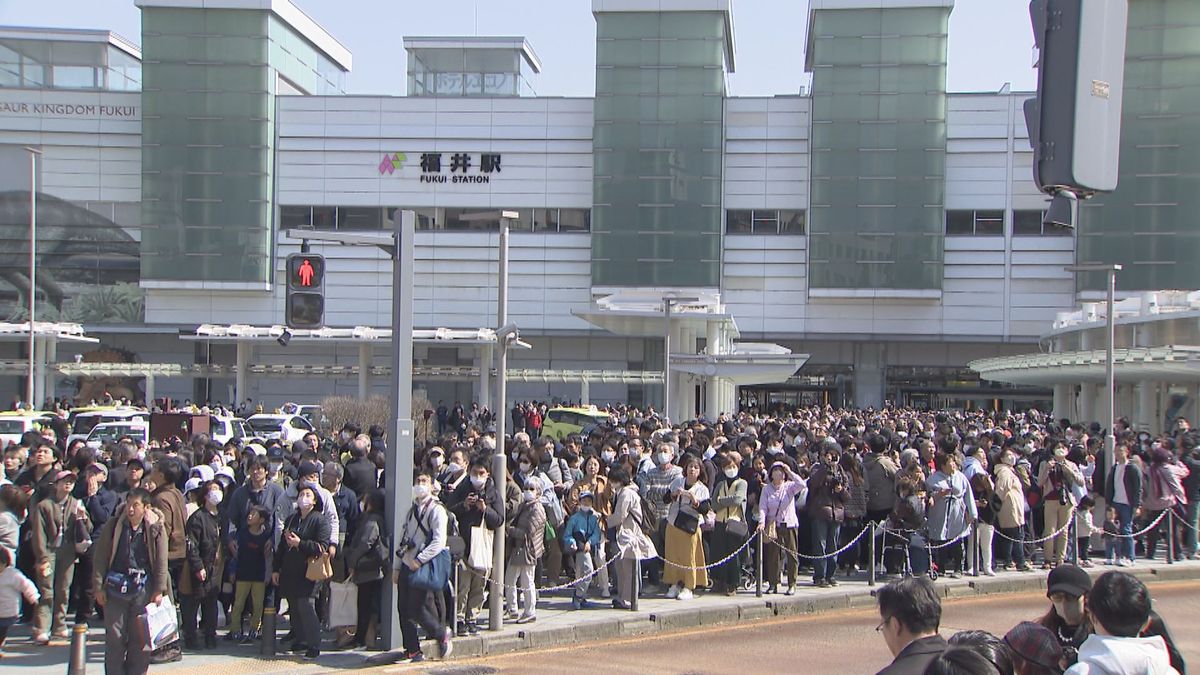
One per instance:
[(1066, 587), (101, 505), (581, 538), (52, 538), (1035, 649)]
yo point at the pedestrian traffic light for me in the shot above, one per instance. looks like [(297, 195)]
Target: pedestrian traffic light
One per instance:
[(1075, 121), (304, 306)]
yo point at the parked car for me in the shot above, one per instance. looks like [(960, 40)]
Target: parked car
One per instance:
[(287, 428)]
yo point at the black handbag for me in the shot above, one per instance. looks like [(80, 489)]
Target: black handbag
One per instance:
[(738, 529), (687, 522)]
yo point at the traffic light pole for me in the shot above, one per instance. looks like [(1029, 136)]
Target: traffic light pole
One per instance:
[(399, 467)]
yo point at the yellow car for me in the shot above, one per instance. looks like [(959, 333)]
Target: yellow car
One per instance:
[(561, 422)]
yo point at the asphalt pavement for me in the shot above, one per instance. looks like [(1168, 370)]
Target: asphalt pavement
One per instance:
[(842, 641)]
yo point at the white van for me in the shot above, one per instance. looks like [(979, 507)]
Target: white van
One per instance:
[(84, 422)]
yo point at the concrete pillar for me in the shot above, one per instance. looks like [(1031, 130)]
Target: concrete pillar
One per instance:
[(585, 392), (149, 391), (485, 376), (1100, 408), (1147, 405), (869, 373), (1126, 400), (364, 370), (241, 366), (1062, 404), (39, 373), (713, 338), (712, 398), (1087, 404)]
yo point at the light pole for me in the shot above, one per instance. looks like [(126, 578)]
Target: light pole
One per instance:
[(33, 157), (504, 335), (1111, 270)]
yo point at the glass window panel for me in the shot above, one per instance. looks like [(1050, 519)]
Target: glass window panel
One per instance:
[(359, 218), (738, 221), (574, 220), (766, 222), (324, 217), (989, 223), (1027, 223), (960, 222), (791, 222)]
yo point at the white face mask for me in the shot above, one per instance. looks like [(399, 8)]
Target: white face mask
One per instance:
[(436, 461), (530, 495), (454, 467), (478, 481), (304, 501), (1060, 453), (585, 509), (608, 456), (731, 472), (275, 466), (525, 467), (662, 458), (420, 492), (215, 497)]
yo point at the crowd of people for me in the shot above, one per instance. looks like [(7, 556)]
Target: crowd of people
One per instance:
[(634, 506), (1106, 627)]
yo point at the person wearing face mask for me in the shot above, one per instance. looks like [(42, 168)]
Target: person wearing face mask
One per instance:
[(730, 527), (1066, 587), (526, 541), (655, 487), (476, 504), (581, 539), (1059, 478), (200, 582), (1008, 496), (778, 522), (306, 535), (436, 460), (366, 559)]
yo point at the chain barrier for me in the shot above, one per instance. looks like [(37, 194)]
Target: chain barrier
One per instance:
[(901, 533), (1146, 529), (847, 547), (487, 578), (1059, 531), (718, 563)]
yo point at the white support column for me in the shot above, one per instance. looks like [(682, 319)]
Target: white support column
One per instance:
[(364, 370), (485, 377), (1087, 404), (1147, 405), (39, 373), (1062, 401), (51, 357), (241, 364), (149, 391), (585, 392), (1100, 409)]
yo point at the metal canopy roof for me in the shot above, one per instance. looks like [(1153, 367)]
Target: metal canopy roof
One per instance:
[(741, 369), (358, 334), (67, 332), (1173, 363)]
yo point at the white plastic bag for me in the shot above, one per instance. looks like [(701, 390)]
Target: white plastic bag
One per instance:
[(480, 555), (160, 619), (343, 604)]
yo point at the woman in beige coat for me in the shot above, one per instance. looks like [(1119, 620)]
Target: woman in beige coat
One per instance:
[(632, 543), (1010, 516)]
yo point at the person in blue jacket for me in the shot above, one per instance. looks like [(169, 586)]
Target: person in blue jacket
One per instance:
[(581, 537)]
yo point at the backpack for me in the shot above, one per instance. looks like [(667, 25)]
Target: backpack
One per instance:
[(649, 521)]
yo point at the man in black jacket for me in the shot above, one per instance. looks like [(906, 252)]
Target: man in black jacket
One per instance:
[(1124, 493), (360, 471), (911, 614), (1191, 489), (475, 502)]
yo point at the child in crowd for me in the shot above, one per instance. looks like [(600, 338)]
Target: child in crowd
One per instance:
[(255, 550), (582, 539), (1112, 528), (1084, 527), (13, 585)]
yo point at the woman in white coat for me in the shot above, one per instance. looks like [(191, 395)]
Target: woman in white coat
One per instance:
[(632, 543)]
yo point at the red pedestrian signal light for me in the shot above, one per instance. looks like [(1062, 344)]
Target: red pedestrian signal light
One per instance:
[(304, 304), (305, 271)]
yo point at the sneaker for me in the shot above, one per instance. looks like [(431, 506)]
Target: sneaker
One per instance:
[(445, 645), (685, 594), (1025, 567), (1085, 563), (414, 657), (618, 603), (247, 638), (462, 629), (41, 639), (527, 618), (234, 636), (472, 628), (1009, 567), (1122, 563), (312, 654), (1108, 562), (791, 590), (989, 573), (821, 583), (576, 603), (673, 591), (831, 581), (60, 634)]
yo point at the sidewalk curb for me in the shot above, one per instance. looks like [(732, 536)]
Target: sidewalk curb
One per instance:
[(665, 622)]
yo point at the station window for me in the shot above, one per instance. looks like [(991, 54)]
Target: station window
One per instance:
[(764, 221), (1029, 224), (428, 218), (970, 223)]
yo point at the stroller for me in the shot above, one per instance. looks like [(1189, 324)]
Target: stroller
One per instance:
[(901, 541)]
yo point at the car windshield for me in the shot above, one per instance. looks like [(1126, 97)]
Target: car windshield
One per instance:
[(12, 426), (106, 434), (265, 423), (85, 423)]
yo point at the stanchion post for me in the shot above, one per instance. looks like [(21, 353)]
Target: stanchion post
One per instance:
[(1073, 540), (871, 549), (78, 663), (1170, 536), (454, 597), (972, 541), (758, 567), (636, 583), (268, 631)]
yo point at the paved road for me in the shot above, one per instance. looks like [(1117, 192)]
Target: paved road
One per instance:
[(838, 642)]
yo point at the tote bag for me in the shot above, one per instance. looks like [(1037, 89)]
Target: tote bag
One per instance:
[(480, 555)]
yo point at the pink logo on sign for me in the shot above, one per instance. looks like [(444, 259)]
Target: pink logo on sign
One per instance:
[(391, 163)]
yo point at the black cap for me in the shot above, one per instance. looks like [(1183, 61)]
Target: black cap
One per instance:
[(308, 468), (274, 452), (1069, 579)]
